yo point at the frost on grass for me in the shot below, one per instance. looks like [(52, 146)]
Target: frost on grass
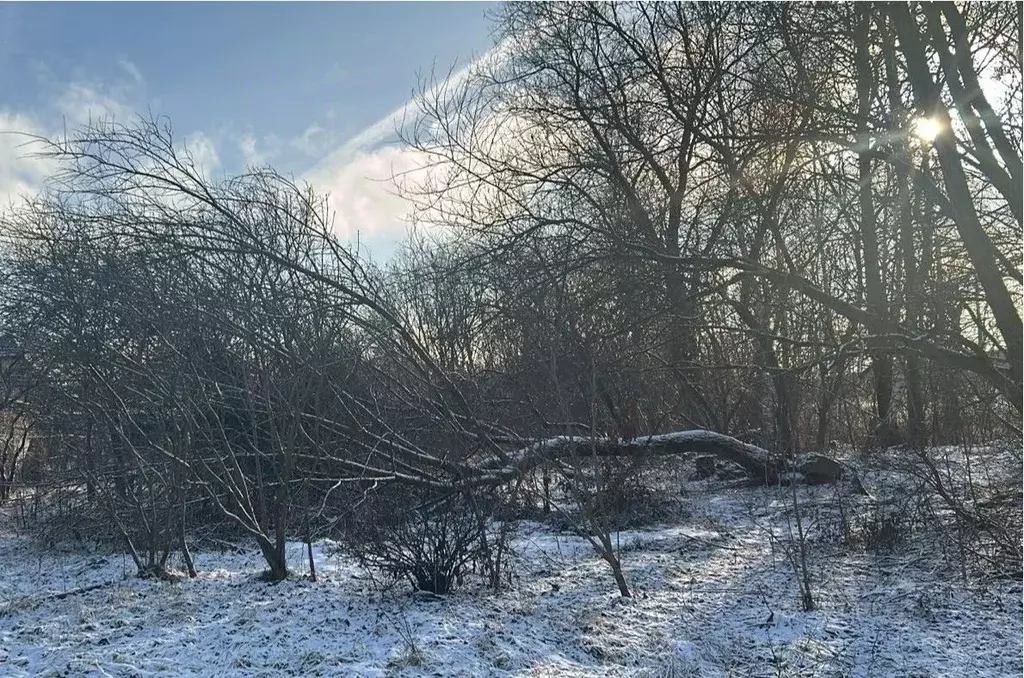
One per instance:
[(714, 596)]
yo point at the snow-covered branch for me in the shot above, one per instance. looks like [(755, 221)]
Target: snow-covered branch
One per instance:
[(756, 461)]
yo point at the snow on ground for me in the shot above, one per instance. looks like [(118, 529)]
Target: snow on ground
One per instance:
[(714, 596)]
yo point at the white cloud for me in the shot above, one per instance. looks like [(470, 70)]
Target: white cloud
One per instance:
[(81, 103), (364, 196), (132, 70), (21, 174), (311, 141), (73, 105), (359, 174), (247, 147), (203, 151), (256, 150)]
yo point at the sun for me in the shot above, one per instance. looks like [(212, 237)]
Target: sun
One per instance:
[(926, 129)]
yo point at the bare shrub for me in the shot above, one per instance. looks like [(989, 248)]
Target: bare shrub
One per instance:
[(975, 498), (883, 526), (432, 543)]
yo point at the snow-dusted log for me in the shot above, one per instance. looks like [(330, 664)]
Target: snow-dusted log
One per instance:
[(757, 462)]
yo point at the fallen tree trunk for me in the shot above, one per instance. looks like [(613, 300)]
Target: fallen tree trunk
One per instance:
[(758, 463)]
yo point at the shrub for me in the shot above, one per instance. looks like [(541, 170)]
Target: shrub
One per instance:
[(431, 544)]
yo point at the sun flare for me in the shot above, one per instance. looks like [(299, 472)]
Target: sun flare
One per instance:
[(927, 129)]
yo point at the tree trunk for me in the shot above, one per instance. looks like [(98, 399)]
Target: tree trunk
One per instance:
[(90, 465), (186, 555), (757, 462), (279, 538), (905, 220), (914, 270), (608, 553), (981, 251), (975, 95), (768, 360), (275, 558), (881, 361), (830, 391), (309, 551)]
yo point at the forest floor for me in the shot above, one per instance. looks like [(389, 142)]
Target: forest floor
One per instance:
[(714, 595)]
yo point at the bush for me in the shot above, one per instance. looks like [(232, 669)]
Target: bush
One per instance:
[(432, 544), (881, 528)]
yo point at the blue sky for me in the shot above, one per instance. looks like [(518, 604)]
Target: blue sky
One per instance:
[(284, 83)]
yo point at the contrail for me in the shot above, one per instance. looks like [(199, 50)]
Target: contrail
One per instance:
[(386, 128)]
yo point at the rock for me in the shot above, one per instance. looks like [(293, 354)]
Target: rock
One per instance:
[(819, 470), (704, 468), (883, 437)]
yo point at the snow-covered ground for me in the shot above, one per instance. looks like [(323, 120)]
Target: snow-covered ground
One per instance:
[(714, 596)]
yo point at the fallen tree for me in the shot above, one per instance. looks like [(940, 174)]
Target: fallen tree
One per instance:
[(758, 463)]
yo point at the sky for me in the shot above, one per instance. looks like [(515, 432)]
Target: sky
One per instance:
[(311, 88)]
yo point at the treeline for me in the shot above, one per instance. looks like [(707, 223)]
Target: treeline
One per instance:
[(799, 225)]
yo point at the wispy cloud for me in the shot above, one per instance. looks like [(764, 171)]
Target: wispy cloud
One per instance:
[(364, 199), (73, 104), (80, 103), (359, 174), (311, 141), (21, 174), (387, 127), (203, 150), (251, 156), (131, 69)]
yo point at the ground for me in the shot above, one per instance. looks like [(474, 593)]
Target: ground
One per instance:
[(714, 596)]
